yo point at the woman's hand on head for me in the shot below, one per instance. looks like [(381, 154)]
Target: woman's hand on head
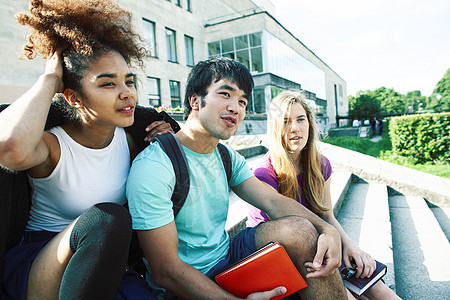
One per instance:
[(54, 67), (157, 128)]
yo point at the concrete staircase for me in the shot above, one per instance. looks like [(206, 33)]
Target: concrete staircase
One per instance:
[(402, 232), (407, 233)]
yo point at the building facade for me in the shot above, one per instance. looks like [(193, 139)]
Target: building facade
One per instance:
[(180, 33)]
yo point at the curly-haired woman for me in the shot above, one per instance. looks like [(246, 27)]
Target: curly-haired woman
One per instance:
[(295, 168), (77, 237)]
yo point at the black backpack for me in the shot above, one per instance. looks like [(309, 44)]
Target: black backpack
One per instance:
[(172, 147)]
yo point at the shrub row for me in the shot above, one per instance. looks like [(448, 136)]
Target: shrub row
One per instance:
[(421, 138)]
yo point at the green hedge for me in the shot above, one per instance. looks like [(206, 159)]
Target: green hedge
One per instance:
[(421, 138)]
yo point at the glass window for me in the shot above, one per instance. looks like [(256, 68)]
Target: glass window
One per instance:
[(245, 48), (189, 42), (150, 36), (256, 103), (230, 55), (257, 65), (213, 49), (154, 96), (227, 45), (243, 58), (175, 99), (241, 42), (255, 39), (259, 101), (187, 4), (171, 45)]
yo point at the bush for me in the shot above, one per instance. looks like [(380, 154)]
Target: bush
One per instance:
[(421, 138)]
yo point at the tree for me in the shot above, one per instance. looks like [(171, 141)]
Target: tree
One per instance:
[(364, 106), (391, 101), (440, 99), (415, 101)]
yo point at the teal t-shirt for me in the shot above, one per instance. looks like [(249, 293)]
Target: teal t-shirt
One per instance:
[(203, 240)]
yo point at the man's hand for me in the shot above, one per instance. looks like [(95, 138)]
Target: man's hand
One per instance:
[(157, 128), (328, 255), (278, 291)]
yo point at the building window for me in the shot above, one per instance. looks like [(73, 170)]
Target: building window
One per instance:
[(227, 45), (257, 61), (246, 49), (241, 42), (154, 95), (171, 45), (189, 42), (187, 4), (175, 99), (255, 39), (150, 36), (178, 2), (214, 49), (256, 103)]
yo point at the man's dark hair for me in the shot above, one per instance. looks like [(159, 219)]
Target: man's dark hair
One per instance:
[(212, 70)]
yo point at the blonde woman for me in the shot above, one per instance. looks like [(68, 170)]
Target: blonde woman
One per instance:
[(295, 168)]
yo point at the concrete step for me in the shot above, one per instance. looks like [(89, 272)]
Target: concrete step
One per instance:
[(442, 215), (365, 218), (340, 183), (421, 250)]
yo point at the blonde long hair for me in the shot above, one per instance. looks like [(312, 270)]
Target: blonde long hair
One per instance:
[(282, 157)]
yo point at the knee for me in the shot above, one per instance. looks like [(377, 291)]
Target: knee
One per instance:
[(297, 232), (113, 218), (293, 227), (102, 222), (113, 214)]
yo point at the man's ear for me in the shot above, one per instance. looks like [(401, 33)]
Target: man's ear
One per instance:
[(194, 101), (72, 98)]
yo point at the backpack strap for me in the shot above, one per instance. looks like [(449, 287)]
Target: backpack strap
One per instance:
[(171, 145), (226, 160)]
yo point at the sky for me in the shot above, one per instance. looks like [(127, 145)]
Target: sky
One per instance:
[(400, 44)]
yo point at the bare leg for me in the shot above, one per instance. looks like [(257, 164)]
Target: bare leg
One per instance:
[(380, 291), (299, 237), (87, 259), (49, 265)]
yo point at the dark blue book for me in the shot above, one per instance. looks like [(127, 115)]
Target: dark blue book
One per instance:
[(360, 285)]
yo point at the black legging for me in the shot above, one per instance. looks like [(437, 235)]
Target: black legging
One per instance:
[(100, 243)]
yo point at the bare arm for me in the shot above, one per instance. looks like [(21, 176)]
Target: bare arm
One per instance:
[(170, 272), (276, 206), (350, 251), (21, 139)]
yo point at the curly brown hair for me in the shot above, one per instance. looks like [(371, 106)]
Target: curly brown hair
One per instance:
[(84, 26)]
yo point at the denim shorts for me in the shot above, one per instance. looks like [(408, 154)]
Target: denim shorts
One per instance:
[(242, 245)]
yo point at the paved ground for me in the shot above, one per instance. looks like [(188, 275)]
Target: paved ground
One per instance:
[(376, 138)]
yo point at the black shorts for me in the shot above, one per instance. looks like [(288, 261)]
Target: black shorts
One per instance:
[(17, 264)]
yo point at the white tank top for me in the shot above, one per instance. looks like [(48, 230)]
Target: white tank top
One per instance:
[(82, 178)]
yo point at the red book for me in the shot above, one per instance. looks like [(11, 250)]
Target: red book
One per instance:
[(264, 270)]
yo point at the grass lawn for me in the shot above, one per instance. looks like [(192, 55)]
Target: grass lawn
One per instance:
[(381, 150)]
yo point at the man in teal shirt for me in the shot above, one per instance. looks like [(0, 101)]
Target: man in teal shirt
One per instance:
[(184, 252)]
